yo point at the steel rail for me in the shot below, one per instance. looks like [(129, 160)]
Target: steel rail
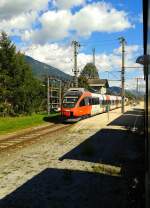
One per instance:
[(30, 137)]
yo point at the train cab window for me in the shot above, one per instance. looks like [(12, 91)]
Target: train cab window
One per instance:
[(82, 103), (87, 101)]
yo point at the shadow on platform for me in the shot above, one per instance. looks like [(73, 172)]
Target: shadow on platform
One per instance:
[(117, 147), (130, 119), (57, 188), (113, 147)]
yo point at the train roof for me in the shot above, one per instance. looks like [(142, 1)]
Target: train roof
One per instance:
[(77, 89)]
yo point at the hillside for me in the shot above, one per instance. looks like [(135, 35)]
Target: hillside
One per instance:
[(129, 93), (41, 70), (114, 90)]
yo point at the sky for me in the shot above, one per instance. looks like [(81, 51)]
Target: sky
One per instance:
[(45, 29)]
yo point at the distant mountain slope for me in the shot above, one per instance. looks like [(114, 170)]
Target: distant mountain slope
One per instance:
[(129, 93), (114, 90), (41, 69)]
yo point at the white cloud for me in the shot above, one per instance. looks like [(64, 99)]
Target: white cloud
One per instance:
[(67, 4), (15, 17), (100, 17), (9, 8), (55, 26), (61, 57), (15, 24), (112, 62)]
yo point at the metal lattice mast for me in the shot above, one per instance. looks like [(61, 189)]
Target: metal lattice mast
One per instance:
[(76, 45), (122, 42)]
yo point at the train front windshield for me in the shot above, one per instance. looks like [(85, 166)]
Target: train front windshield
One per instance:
[(69, 102)]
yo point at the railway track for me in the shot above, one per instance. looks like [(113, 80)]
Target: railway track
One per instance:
[(20, 141)]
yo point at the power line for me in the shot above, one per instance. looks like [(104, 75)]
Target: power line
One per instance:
[(108, 40), (134, 67), (113, 75), (93, 44), (97, 42)]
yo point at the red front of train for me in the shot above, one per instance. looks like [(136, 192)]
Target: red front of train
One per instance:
[(76, 103)]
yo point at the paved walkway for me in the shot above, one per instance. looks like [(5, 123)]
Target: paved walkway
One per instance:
[(98, 163)]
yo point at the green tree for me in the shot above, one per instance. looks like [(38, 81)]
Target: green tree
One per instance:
[(20, 92), (129, 95), (83, 82), (90, 71)]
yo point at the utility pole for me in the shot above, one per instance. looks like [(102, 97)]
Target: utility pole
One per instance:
[(122, 42), (60, 92), (137, 85), (76, 45), (48, 96), (93, 55)]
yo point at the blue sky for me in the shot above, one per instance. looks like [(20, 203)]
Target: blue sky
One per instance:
[(44, 29)]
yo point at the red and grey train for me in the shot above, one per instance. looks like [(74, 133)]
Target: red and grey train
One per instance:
[(79, 103)]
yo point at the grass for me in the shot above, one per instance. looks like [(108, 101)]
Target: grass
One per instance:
[(13, 124)]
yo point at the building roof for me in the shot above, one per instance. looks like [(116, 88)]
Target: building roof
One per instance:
[(98, 82)]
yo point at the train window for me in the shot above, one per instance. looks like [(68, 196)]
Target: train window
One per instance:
[(101, 102), (90, 100), (69, 102), (109, 102), (95, 101), (82, 103), (86, 101), (104, 102)]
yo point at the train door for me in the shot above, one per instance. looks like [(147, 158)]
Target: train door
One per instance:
[(104, 103), (108, 103), (84, 107), (95, 106), (117, 102), (101, 103)]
